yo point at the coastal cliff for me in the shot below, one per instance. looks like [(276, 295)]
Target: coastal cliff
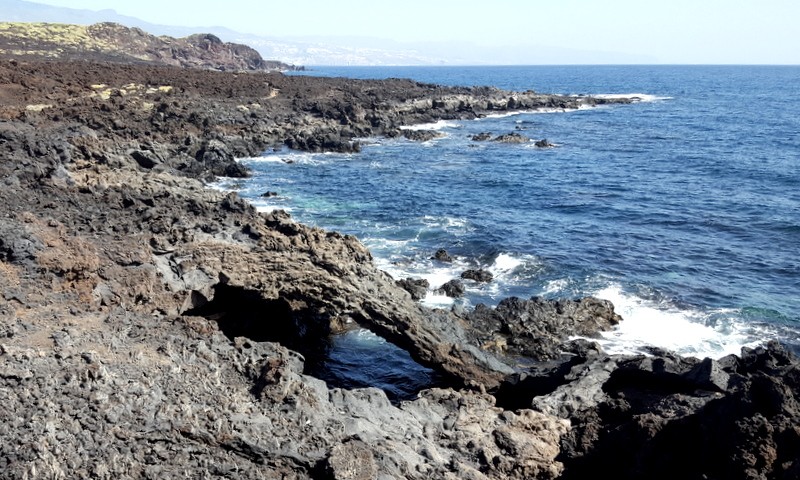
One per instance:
[(152, 327), (112, 42)]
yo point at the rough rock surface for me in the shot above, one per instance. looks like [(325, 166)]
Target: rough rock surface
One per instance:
[(537, 328), (512, 138), (454, 288), (126, 395), (442, 256), (421, 135), (479, 275), (481, 137), (663, 416), (417, 288)]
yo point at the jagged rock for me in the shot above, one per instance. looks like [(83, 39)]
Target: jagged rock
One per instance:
[(481, 137), (418, 288), (536, 328), (146, 159), (478, 275), (442, 256), (421, 135), (454, 289), (17, 243), (218, 160), (663, 423), (543, 143), (512, 138)]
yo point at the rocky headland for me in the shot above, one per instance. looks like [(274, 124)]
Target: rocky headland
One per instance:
[(112, 42), (153, 328)]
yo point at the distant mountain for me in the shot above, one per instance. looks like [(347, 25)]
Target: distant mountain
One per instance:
[(114, 42), (22, 11)]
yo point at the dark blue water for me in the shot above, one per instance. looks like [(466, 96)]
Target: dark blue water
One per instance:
[(684, 209)]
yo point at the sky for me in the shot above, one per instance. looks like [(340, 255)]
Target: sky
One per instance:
[(665, 31)]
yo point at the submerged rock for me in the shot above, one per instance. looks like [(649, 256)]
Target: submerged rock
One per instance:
[(478, 275), (421, 135), (512, 138), (442, 256)]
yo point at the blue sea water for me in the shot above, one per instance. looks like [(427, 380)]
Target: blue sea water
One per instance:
[(682, 209)]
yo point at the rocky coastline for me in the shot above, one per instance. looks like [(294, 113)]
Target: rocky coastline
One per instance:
[(153, 328)]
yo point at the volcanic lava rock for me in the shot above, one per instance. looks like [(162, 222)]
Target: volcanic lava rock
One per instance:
[(481, 137), (421, 135), (537, 328), (479, 275), (418, 288), (454, 289), (512, 138), (442, 256)]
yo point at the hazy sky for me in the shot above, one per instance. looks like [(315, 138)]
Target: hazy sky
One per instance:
[(668, 31)]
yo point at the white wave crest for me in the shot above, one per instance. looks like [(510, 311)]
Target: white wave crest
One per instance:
[(435, 300), (267, 208), (441, 124), (554, 287), (445, 222), (290, 158), (646, 323), (637, 97), (264, 159), (505, 263), (506, 114), (514, 269)]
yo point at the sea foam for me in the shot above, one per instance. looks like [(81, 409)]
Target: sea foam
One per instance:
[(684, 331), (441, 124), (637, 97)]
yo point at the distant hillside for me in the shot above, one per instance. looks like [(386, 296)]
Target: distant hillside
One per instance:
[(114, 42), (298, 51)]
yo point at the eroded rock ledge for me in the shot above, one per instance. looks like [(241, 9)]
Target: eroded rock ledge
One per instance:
[(150, 327)]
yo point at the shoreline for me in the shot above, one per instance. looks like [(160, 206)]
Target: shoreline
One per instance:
[(177, 312)]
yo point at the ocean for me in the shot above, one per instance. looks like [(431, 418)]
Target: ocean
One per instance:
[(682, 209)]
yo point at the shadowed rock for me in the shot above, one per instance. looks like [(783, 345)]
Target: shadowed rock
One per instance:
[(418, 288), (442, 256), (454, 289), (512, 138), (478, 275)]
